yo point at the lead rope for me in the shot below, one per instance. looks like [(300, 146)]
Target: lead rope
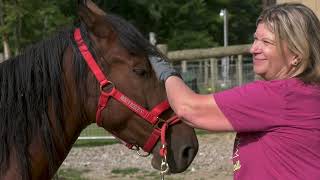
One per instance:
[(164, 168)]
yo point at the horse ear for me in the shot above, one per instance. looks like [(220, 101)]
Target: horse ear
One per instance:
[(91, 5), (93, 17), (94, 8), (88, 17)]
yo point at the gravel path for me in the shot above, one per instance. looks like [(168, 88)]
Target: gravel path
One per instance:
[(99, 163)]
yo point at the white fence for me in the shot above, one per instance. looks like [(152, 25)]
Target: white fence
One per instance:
[(206, 68), (206, 75)]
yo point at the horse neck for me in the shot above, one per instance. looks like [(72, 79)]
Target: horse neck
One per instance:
[(74, 119), (72, 122)]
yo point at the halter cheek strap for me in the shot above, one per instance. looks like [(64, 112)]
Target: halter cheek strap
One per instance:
[(151, 116)]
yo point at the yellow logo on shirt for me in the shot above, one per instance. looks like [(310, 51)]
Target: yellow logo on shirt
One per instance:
[(236, 166)]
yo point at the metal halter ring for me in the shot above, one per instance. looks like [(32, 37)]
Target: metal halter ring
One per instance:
[(159, 123), (109, 89), (139, 152)]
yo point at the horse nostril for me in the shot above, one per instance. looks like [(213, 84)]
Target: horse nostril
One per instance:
[(188, 154), (185, 152)]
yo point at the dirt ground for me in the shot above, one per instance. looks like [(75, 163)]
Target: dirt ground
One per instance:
[(116, 162)]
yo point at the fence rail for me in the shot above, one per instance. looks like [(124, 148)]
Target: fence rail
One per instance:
[(191, 54), (211, 67)]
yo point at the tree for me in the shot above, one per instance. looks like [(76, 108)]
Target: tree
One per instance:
[(190, 23), (242, 20), (179, 23), (3, 32), (28, 21)]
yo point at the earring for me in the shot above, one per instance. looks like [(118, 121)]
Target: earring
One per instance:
[(295, 63)]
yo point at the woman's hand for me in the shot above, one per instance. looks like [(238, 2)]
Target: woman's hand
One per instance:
[(162, 68)]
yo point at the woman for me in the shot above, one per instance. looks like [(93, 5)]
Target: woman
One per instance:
[(277, 120)]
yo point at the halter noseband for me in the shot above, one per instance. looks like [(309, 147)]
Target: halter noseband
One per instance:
[(160, 125)]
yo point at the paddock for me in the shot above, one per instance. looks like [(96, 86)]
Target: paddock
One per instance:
[(115, 162), (202, 70)]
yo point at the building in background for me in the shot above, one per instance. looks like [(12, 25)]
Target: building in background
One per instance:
[(312, 4)]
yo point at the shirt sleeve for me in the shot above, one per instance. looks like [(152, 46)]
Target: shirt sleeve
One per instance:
[(251, 108)]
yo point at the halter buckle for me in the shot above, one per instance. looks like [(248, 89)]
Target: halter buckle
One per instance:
[(159, 123), (139, 152)]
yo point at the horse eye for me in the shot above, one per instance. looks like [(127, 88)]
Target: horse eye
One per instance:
[(140, 72)]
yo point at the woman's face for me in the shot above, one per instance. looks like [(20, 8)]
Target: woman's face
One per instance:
[(268, 61)]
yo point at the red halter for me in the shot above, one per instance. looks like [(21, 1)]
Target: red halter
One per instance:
[(151, 116)]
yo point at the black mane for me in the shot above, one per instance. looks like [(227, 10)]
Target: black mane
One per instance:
[(26, 82)]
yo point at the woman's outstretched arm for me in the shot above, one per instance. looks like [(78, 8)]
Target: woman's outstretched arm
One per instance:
[(199, 111)]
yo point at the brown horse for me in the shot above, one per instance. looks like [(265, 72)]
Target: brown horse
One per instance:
[(49, 94)]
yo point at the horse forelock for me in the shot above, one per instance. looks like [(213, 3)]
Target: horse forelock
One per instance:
[(131, 38), (26, 82)]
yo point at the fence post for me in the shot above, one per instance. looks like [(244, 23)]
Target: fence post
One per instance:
[(206, 73), (183, 66), (1, 57), (214, 73), (152, 38), (200, 72), (163, 48), (239, 68)]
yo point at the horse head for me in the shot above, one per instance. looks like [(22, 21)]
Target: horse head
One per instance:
[(124, 95)]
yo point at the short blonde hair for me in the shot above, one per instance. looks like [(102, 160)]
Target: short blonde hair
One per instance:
[(299, 27)]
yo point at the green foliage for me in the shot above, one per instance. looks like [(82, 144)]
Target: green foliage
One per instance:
[(125, 171), (179, 23), (94, 143), (28, 21), (190, 23)]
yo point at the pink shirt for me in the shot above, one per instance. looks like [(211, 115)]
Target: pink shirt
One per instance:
[(278, 129)]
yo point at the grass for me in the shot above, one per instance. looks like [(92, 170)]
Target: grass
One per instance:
[(70, 174), (95, 142), (200, 132), (94, 130), (150, 175), (135, 173), (125, 171), (105, 142)]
